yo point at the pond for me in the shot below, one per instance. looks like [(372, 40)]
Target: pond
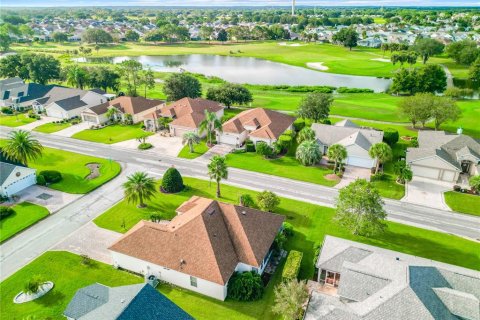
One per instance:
[(250, 70)]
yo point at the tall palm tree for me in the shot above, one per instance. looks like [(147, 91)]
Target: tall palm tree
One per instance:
[(190, 138), (139, 187), (382, 152), (337, 153), (217, 170), (22, 147), (308, 152), (76, 76), (210, 124)]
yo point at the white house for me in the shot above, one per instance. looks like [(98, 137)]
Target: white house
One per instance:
[(14, 179), (201, 247), (356, 140), (255, 124)]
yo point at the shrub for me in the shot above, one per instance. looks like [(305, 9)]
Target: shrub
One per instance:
[(353, 90), (284, 141), (7, 110), (378, 177), (299, 124), (155, 217), (264, 149), (390, 136), (172, 181), (51, 176), (33, 285), (287, 229), (6, 212), (86, 260), (279, 242), (316, 252), (268, 201), (246, 200), (292, 265), (246, 286), (249, 146), (327, 121), (414, 142), (41, 180), (457, 188), (145, 146), (289, 133)]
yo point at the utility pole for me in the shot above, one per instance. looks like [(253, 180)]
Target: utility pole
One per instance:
[(293, 7)]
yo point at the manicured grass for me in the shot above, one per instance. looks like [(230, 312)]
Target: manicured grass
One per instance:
[(67, 273), (25, 215), (52, 127), (15, 121), (199, 149), (286, 166), (462, 202), (388, 188), (112, 134)]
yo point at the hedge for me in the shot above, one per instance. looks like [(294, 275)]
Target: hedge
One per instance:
[(292, 265), (299, 124), (51, 176), (5, 212), (390, 136)]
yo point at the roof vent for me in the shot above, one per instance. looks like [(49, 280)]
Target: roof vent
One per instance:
[(244, 212), (182, 261), (122, 301), (397, 258)]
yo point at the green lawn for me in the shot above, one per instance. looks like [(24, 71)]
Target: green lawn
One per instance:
[(112, 134), (462, 202), (67, 273), (15, 121), (52, 127), (25, 215), (198, 150)]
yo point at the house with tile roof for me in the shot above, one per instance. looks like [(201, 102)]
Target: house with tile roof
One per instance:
[(363, 282), (255, 124), (355, 139), (15, 178), (201, 247), (444, 157), (138, 107), (132, 302), (186, 115)]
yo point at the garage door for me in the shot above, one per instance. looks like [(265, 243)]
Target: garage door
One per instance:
[(360, 162), (54, 113), (448, 175), (228, 139), (425, 172)]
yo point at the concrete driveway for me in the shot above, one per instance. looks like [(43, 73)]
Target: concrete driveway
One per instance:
[(351, 174), (216, 150), (70, 131), (51, 199), (427, 192), (90, 240), (38, 123), (169, 146)]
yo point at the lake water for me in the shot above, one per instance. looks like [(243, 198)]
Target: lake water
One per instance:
[(251, 70)]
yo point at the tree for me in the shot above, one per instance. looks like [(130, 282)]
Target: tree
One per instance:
[(222, 35), (147, 79), (163, 122), (217, 170), (206, 33), (337, 153), (405, 80), (346, 36), (43, 68), (139, 188), (113, 114), (245, 286), (290, 296), (181, 85), (305, 134), (308, 153), (11, 66), (33, 285), (5, 42), (315, 106), (130, 72), (97, 36), (103, 78), (131, 35), (418, 107), (172, 181), (382, 152), (59, 37), (403, 171), (22, 147), (268, 201), (229, 94), (209, 125), (359, 208), (191, 138), (427, 47), (474, 182), (463, 52), (444, 109), (432, 78), (154, 36), (474, 72), (76, 76)]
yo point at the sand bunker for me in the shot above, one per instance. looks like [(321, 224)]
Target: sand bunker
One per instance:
[(381, 60), (317, 66), (290, 44)]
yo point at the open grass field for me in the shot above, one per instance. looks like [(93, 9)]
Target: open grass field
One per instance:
[(67, 273), (15, 121), (52, 127), (25, 215), (462, 202), (112, 134)]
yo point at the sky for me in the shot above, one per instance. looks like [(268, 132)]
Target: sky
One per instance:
[(226, 3)]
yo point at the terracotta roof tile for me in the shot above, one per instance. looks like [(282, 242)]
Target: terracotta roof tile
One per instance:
[(131, 105), (188, 112)]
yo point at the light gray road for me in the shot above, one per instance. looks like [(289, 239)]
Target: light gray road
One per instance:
[(26, 246)]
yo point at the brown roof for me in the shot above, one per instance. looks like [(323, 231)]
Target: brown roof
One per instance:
[(207, 239), (131, 105), (267, 123), (189, 112)]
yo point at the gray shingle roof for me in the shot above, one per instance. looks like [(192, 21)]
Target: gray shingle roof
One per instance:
[(358, 286), (86, 300), (351, 254), (5, 170), (71, 103), (328, 135)]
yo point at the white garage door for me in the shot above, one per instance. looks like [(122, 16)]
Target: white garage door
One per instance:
[(360, 162), (21, 184), (448, 175), (54, 113), (228, 139), (425, 172)]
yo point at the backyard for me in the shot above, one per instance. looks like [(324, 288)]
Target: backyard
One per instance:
[(112, 133), (25, 215), (15, 121), (462, 202)]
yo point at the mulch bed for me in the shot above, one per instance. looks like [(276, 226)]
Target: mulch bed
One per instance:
[(94, 170)]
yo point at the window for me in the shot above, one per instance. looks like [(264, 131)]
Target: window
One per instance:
[(6, 95), (20, 94), (193, 281)]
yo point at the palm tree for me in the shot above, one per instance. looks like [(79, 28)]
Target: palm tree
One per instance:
[(210, 124), (190, 138), (306, 133), (22, 147), (76, 76), (403, 171), (382, 152), (139, 187), (33, 285), (217, 170), (112, 113), (308, 152), (337, 153)]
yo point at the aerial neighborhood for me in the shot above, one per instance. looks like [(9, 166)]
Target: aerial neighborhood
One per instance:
[(292, 163)]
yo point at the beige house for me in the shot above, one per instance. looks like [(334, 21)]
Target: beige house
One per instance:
[(255, 124)]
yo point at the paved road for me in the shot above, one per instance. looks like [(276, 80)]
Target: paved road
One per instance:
[(28, 245)]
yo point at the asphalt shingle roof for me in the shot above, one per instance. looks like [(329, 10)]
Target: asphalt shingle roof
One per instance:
[(71, 103), (5, 170)]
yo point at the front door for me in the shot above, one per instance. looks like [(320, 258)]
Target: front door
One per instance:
[(466, 166)]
